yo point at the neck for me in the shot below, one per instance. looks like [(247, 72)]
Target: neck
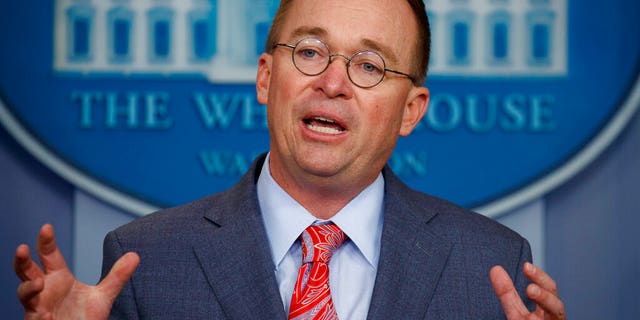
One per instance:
[(323, 201), (320, 204), (323, 197)]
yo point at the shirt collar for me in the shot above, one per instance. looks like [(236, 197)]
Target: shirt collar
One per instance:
[(285, 219)]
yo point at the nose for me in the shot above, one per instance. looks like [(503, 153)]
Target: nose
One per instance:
[(334, 81)]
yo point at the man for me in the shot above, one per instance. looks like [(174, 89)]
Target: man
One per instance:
[(341, 79)]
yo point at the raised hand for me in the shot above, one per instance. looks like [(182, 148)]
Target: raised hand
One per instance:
[(52, 292), (542, 291)]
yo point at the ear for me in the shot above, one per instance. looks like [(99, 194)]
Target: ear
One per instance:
[(263, 78), (414, 109)]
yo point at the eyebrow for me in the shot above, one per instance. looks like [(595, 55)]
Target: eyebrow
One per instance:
[(308, 31), (369, 44), (385, 51)]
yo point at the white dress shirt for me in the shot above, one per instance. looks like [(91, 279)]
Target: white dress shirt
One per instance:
[(353, 266)]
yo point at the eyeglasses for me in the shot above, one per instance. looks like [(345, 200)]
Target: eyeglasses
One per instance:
[(366, 68)]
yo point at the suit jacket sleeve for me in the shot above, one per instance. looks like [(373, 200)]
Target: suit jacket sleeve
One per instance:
[(124, 306), (520, 280)]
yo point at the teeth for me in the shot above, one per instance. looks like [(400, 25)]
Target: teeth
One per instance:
[(321, 129), (324, 119)]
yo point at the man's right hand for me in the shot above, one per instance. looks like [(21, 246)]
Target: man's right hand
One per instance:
[(52, 292)]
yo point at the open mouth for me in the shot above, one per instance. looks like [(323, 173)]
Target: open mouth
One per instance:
[(323, 125)]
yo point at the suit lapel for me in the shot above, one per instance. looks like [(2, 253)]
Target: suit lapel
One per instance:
[(412, 257), (235, 255)]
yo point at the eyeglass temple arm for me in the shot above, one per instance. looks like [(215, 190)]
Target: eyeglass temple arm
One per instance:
[(400, 73), (283, 45)]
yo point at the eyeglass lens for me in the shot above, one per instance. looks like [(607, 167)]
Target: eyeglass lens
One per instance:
[(312, 57)]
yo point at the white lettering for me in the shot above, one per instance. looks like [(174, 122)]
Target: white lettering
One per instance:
[(225, 163), (221, 110), (512, 113), (409, 163), (130, 110)]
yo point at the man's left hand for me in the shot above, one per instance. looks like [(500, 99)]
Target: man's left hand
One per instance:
[(542, 291)]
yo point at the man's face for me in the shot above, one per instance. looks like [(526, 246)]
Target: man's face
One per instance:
[(324, 129)]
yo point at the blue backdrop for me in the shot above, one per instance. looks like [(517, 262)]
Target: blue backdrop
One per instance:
[(589, 221)]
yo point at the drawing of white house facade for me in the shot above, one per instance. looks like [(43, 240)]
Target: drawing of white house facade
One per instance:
[(487, 38), (221, 39)]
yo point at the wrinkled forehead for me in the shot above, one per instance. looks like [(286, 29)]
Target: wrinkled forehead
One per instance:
[(385, 26)]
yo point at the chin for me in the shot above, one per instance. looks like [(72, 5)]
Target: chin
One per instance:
[(319, 166)]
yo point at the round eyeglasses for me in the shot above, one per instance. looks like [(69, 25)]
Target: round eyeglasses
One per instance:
[(365, 68)]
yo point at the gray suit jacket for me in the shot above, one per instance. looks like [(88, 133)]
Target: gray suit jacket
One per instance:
[(210, 259)]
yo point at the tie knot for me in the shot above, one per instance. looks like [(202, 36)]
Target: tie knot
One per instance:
[(319, 242)]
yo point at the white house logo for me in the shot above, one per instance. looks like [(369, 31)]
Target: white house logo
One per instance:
[(151, 103), (218, 39), (222, 41), (499, 38)]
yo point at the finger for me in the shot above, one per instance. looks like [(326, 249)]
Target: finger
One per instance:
[(48, 252), (512, 305), (28, 290), (24, 267), (541, 278), (119, 274), (546, 300)]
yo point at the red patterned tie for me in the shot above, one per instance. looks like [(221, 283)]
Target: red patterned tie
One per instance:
[(311, 296)]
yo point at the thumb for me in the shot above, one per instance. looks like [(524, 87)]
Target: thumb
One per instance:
[(119, 275), (512, 305)]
